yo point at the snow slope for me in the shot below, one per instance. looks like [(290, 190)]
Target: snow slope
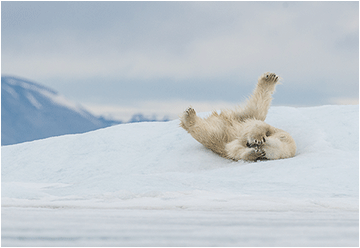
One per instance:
[(160, 166), (30, 111), (152, 184)]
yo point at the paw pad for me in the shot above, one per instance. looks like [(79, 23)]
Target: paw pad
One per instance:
[(190, 111), (271, 77)]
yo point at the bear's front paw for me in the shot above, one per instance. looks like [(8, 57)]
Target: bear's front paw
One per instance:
[(255, 154), (255, 140), (269, 78)]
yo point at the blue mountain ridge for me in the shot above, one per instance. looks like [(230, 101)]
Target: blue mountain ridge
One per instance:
[(30, 111)]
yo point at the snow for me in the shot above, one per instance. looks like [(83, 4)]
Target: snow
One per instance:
[(156, 170), (33, 101), (109, 227)]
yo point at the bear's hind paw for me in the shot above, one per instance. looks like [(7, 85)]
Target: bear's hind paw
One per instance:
[(270, 77), (190, 111), (188, 118)]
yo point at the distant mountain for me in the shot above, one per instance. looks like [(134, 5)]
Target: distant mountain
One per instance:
[(30, 111), (139, 117)]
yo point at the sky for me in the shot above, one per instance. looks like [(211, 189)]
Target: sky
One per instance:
[(120, 58)]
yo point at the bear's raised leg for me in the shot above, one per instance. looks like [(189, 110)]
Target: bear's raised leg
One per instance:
[(259, 102), (188, 119), (210, 131)]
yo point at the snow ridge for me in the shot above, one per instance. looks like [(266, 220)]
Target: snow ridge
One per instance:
[(157, 165)]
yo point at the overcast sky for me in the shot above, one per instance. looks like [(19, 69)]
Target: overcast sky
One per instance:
[(159, 57)]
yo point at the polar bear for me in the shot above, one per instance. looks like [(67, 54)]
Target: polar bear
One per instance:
[(242, 133)]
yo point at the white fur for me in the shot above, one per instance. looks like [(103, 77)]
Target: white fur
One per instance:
[(242, 133)]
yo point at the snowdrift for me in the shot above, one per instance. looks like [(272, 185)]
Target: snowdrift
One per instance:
[(158, 165)]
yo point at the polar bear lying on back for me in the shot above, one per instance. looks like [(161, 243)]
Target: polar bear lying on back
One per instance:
[(242, 133)]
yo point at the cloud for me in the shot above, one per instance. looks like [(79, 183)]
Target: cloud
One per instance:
[(162, 49), (170, 108), (345, 101)]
